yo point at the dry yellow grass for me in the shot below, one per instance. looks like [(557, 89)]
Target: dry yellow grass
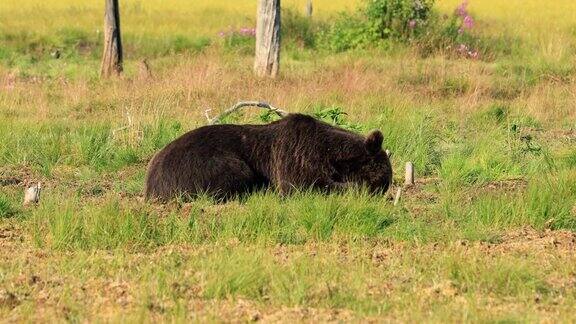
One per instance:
[(208, 81)]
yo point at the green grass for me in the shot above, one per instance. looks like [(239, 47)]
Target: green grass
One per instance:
[(6, 208), (163, 284)]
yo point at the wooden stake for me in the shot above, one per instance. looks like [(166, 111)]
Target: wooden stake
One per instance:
[(309, 8), (32, 194), (397, 197), (112, 57), (408, 181), (267, 58), (409, 175)]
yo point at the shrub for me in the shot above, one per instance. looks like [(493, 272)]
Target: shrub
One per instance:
[(397, 18), (378, 20), (347, 32), (455, 36), (452, 34)]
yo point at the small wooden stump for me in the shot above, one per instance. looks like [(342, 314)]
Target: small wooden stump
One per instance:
[(408, 181), (409, 175), (32, 194), (397, 196)]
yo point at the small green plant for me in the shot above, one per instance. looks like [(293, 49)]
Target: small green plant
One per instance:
[(570, 159), (6, 209), (268, 116), (335, 116)]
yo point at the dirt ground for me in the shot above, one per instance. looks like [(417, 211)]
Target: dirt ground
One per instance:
[(46, 293)]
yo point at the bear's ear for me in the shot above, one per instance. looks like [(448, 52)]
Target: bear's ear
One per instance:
[(374, 142)]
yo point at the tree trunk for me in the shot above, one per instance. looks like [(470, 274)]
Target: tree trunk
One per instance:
[(309, 8), (267, 38), (112, 57)]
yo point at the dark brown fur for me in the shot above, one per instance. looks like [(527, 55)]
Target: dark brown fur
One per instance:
[(297, 151)]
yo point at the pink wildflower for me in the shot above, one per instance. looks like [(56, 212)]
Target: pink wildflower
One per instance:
[(468, 22), (462, 9), (245, 31), (412, 24)]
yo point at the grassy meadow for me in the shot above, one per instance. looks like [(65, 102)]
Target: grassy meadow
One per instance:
[(487, 233)]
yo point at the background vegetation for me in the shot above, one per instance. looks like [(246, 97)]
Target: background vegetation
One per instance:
[(485, 110)]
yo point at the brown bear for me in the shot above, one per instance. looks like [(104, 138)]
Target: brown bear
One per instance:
[(295, 152)]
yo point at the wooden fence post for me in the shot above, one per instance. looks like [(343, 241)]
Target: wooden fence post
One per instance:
[(112, 57), (267, 58), (32, 194), (408, 181), (309, 9), (409, 175)]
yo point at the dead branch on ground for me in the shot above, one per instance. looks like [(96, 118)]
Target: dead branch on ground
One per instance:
[(218, 119)]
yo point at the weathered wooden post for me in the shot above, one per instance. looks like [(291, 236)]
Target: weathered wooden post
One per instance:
[(409, 175), (32, 194), (309, 9), (408, 181), (267, 58), (112, 57)]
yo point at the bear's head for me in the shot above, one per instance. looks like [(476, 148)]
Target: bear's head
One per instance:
[(369, 166)]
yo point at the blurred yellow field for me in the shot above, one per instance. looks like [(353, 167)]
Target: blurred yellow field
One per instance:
[(151, 17), (548, 24), (532, 19)]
